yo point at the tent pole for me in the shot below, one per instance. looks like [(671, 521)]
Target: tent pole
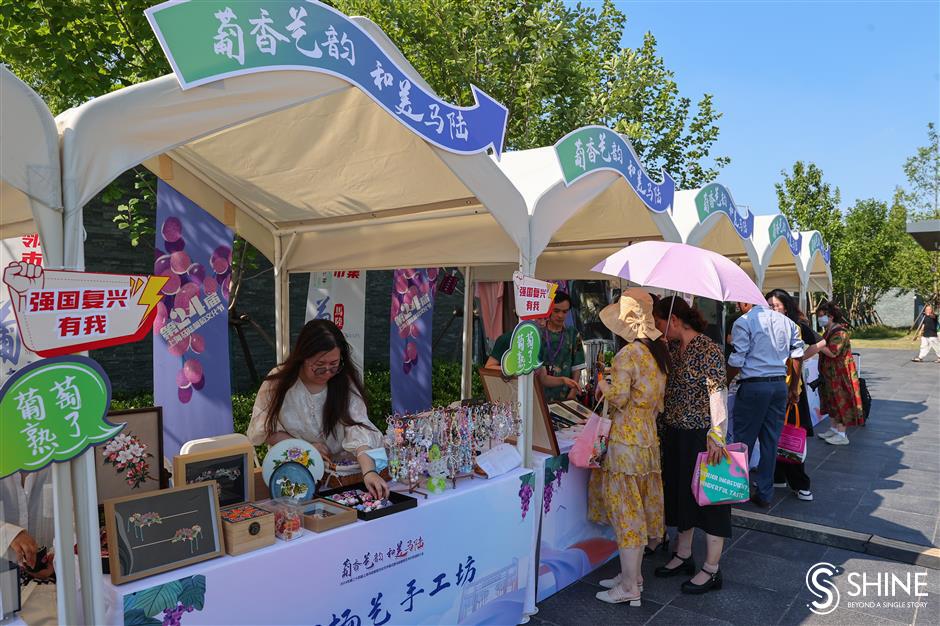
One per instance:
[(466, 373), (525, 390), (279, 342)]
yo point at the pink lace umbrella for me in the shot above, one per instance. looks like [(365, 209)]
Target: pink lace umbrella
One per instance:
[(682, 268)]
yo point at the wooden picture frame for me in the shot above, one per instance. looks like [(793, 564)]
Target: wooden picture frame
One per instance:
[(231, 467), (143, 522), (498, 388), (146, 425)]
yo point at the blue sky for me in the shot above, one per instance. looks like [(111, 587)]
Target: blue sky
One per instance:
[(847, 85)]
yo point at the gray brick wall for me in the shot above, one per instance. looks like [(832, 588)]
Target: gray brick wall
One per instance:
[(896, 309), (130, 367)]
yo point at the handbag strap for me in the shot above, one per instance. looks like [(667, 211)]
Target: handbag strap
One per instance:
[(796, 409)]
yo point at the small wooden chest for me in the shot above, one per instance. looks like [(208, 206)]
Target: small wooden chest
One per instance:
[(246, 528)]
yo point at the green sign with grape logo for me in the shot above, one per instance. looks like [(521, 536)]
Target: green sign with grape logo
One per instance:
[(53, 410)]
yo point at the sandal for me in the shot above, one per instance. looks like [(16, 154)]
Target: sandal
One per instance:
[(618, 596), (610, 583)]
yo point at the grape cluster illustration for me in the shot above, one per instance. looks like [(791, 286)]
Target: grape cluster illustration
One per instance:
[(525, 497), (173, 617), (550, 484), (410, 286), (187, 280)]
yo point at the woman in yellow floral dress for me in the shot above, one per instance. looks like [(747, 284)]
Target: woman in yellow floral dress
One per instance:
[(627, 492)]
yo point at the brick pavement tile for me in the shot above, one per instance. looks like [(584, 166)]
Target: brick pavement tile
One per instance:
[(909, 475), (737, 602), (900, 525), (799, 613), (876, 499), (577, 605), (674, 616), (781, 547), (763, 571)]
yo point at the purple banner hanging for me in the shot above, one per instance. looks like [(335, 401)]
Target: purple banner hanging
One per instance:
[(191, 373), (409, 343)]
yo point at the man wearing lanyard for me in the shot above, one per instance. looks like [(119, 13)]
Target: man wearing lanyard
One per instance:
[(763, 340), (562, 349)]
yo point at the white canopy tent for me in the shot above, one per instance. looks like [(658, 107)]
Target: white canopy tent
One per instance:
[(779, 268), (31, 201), (817, 275), (306, 168), (715, 232), (571, 229)]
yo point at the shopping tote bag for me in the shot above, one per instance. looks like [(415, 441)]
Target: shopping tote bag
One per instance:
[(724, 483), (590, 447), (791, 447)]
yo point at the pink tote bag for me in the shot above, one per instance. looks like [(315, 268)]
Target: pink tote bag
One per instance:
[(590, 447)]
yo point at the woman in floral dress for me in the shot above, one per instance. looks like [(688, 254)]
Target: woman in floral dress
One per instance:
[(839, 394), (627, 492)]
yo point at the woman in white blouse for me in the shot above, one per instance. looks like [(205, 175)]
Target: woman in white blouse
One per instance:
[(317, 395)]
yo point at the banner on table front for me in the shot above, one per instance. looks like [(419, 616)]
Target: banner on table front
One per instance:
[(13, 354), (409, 344), (191, 373), (341, 298)]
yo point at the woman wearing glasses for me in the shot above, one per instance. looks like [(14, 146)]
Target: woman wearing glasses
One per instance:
[(317, 395)]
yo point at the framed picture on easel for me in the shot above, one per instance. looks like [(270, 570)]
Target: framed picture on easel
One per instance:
[(498, 388)]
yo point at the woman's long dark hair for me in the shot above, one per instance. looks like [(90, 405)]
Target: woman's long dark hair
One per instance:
[(832, 310), (660, 352), (317, 337), (790, 306), (681, 309)]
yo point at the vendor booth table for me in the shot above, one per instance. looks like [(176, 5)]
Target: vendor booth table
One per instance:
[(458, 558)]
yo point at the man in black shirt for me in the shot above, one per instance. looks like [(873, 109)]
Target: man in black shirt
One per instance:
[(928, 340)]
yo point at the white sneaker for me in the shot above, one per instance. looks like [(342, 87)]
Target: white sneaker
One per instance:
[(805, 494), (832, 432), (838, 440)]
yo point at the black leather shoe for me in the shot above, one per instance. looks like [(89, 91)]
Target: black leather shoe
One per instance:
[(687, 568), (713, 582), (760, 502)]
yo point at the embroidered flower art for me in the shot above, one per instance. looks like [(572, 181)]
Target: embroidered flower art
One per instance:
[(129, 455)]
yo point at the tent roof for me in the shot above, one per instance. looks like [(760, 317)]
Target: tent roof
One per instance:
[(715, 233), (573, 228), (30, 179), (780, 268), (301, 156), (817, 275)]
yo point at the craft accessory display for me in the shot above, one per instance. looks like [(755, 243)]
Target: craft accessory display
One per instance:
[(322, 515), (445, 441), (288, 520), (358, 498), (246, 527)]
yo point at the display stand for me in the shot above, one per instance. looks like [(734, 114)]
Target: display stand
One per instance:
[(434, 564), (570, 545)]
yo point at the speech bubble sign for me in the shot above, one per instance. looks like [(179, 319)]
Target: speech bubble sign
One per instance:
[(53, 410), (524, 349)]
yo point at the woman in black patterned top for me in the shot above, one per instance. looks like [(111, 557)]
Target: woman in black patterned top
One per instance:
[(695, 420)]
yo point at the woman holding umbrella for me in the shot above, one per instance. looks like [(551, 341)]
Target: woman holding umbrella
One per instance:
[(695, 421)]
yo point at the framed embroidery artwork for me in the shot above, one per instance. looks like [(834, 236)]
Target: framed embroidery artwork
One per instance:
[(132, 462), (230, 467)]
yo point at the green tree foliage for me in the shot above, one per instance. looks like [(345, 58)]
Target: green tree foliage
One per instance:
[(555, 68), (809, 202)]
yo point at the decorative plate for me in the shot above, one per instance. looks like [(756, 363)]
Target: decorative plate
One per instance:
[(295, 451), (292, 480)]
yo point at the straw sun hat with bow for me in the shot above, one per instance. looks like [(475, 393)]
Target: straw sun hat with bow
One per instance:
[(631, 317)]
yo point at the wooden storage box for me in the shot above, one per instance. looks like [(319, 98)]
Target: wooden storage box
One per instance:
[(246, 527), (321, 515)]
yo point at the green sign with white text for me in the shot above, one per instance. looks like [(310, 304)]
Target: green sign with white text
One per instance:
[(53, 410), (524, 348)]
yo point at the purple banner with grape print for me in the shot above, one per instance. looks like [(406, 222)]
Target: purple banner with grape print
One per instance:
[(191, 377), (410, 338)]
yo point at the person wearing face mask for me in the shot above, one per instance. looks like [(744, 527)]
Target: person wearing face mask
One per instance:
[(839, 391), (317, 395)]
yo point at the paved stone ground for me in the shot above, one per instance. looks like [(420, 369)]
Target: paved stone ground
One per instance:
[(887, 482)]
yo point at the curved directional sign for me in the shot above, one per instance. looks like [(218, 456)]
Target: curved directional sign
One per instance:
[(209, 40), (816, 243), (594, 148), (780, 227), (715, 198)]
